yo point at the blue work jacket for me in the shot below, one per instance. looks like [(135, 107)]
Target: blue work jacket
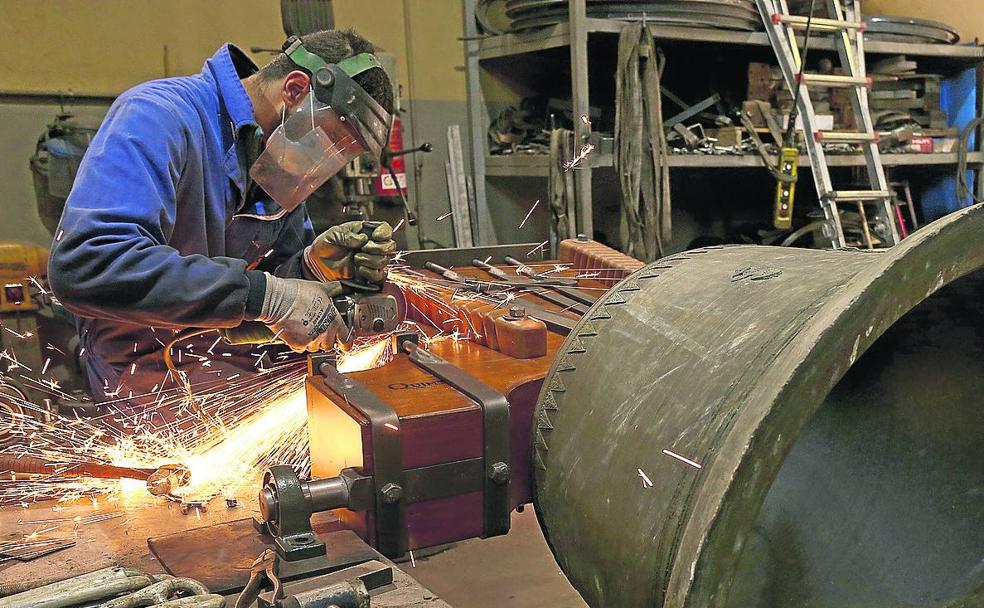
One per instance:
[(156, 236)]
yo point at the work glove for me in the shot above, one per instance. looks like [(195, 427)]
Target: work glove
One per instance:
[(301, 313), (346, 252)]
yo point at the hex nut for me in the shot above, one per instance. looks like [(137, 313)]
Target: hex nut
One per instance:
[(391, 493), (499, 473)]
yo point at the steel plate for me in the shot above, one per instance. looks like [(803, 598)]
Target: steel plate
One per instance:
[(738, 10), (731, 14), (909, 29), (708, 21)]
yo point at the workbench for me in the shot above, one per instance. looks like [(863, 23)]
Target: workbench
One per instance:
[(123, 541)]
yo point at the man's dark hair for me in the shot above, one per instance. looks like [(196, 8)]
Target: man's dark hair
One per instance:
[(334, 46)]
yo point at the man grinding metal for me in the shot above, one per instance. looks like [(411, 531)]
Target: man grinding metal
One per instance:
[(188, 210)]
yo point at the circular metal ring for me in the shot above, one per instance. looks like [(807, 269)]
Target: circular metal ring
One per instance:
[(744, 426)]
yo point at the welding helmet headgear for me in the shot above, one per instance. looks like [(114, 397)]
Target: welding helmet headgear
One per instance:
[(335, 122)]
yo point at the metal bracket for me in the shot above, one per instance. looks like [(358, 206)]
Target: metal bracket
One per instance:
[(387, 458), (290, 526), (495, 416)]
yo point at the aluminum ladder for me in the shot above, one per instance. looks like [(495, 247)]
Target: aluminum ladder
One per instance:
[(846, 28)]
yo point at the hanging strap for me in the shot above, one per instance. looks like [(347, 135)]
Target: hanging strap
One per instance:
[(561, 184), (640, 145)]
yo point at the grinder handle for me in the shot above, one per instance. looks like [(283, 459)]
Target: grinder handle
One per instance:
[(356, 283), (254, 332)]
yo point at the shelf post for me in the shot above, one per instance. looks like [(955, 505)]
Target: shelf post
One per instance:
[(481, 218), (582, 106), (978, 145)]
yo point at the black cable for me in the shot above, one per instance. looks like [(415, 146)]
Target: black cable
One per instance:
[(794, 113)]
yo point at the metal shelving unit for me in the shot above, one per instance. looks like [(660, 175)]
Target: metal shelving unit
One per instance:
[(557, 36), (576, 33), (535, 165)]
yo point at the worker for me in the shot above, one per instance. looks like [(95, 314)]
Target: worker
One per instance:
[(188, 211)]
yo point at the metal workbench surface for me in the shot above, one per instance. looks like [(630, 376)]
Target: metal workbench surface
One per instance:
[(122, 540)]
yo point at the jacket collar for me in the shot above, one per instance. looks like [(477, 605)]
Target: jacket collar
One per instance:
[(227, 67)]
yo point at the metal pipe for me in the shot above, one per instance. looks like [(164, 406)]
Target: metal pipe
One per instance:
[(31, 465), (327, 494), (98, 585)]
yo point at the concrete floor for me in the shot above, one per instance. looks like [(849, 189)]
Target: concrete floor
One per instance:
[(516, 570)]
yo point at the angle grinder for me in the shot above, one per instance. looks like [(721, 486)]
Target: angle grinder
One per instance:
[(363, 314), (369, 314)]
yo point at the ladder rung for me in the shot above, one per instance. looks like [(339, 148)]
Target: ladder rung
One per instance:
[(847, 196), (834, 81), (845, 137), (798, 22)]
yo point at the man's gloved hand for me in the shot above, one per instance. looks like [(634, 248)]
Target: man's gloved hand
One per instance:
[(345, 252), (301, 313)]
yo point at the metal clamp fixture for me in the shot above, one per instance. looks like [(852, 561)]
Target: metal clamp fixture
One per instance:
[(286, 513), (495, 416), (287, 503)]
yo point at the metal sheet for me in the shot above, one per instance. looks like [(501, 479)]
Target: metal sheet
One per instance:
[(219, 556), (910, 29), (691, 449), (520, 8), (709, 21), (729, 14)]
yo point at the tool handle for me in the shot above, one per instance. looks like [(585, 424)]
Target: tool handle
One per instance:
[(492, 270), (513, 261), (447, 273), (369, 227), (521, 268), (358, 283), (250, 332)]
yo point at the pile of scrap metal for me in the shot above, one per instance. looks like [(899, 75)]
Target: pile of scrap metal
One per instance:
[(901, 97), (118, 587), (525, 128), (905, 105), (504, 16), (114, 588)]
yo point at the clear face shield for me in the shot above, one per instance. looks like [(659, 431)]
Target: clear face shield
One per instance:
[(336, 122)]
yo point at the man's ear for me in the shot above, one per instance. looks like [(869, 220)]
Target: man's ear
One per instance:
[(296, 86)]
